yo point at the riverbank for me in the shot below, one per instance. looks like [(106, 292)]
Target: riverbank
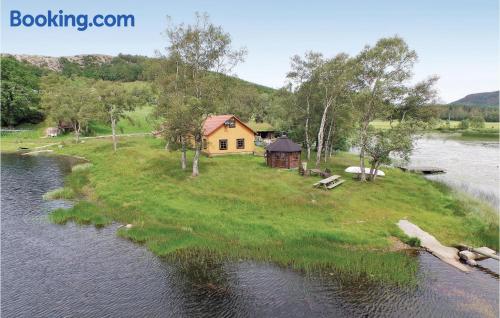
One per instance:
[(240, 209), (490, 131)]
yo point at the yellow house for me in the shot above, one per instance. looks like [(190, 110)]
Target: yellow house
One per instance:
[(226, 134)]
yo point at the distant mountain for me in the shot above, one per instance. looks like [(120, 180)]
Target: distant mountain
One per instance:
[(478, 99)]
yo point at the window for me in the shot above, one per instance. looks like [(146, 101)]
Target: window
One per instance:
[(240, 143), (222, 144), (230, 123), (205, 144)]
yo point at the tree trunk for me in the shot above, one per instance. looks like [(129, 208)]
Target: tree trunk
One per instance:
[(196, 170), (167, 145), (375, 172), (321, 133), (327, 144), (330, 151), (76, 128), (362, 176), (113, 132), (183, 155), (308, 142), (372, 170), (403, 117)]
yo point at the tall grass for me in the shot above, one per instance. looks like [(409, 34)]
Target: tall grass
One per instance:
[(82, 213), (59, 193)]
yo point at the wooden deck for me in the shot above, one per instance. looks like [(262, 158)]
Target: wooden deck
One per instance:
[(423, 169)]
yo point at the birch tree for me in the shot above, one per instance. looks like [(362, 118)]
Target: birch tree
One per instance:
[(303, 77), (383, 70), (115, 100), (202, 53), (336, 78), (384, 143)]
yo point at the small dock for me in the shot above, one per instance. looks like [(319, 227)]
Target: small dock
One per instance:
[(423, 169), (447, 254)]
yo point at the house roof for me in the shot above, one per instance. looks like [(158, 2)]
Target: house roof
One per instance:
[(283, 144), (263, 127), (212, 123)]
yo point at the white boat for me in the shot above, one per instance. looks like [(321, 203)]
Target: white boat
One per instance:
[(357, 170)]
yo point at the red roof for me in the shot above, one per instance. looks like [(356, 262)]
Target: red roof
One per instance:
[(212, 123)]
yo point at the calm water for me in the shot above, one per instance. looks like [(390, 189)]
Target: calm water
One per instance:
[(471, 166), (49, 270)]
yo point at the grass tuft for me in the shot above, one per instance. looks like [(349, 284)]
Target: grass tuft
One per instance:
[(59, 193), (82, 213), (81, 167)]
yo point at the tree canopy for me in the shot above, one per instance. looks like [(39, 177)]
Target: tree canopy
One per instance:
[(20, 99)]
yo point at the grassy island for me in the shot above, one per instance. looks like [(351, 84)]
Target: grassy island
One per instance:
[(240, 209)]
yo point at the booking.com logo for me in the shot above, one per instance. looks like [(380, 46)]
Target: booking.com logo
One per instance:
[(81, 21)]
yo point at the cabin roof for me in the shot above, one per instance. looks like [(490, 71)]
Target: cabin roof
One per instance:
[(260, 127), (212, 123), (283, 144)]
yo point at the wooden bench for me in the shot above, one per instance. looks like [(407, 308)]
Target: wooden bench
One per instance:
[(333, 185)]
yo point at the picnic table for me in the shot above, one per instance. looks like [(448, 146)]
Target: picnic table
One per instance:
[(329, 183)]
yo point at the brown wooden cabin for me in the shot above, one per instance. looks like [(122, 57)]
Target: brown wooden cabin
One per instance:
[(283, 153)]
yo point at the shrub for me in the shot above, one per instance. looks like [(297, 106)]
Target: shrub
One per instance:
[(464, 124), (413, 241), (477, 122)]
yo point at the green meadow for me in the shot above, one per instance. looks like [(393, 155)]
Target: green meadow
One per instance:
[(240, 209), (490, 131)]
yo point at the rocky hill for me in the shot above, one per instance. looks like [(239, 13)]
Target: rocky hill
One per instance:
[(55, 63)]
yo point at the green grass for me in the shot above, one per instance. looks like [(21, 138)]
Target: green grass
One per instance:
[(456, 124), (240, 209), (138, 121), (490, 132), (381, 124), (480, 135), (81, 167), (59, 193), (83, 213)]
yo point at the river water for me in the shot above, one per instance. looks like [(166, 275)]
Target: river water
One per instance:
[(471, 166), (50, 270)]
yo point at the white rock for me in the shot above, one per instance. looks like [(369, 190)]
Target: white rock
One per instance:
[(471, 262), (128, 226), (467, 255)]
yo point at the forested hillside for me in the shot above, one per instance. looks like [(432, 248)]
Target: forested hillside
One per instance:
[(23, 74), (479, 99)]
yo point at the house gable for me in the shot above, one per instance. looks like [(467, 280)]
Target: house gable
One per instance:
[(229, 140), (214, 123)]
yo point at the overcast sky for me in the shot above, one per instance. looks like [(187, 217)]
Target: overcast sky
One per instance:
[(457, 40)]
